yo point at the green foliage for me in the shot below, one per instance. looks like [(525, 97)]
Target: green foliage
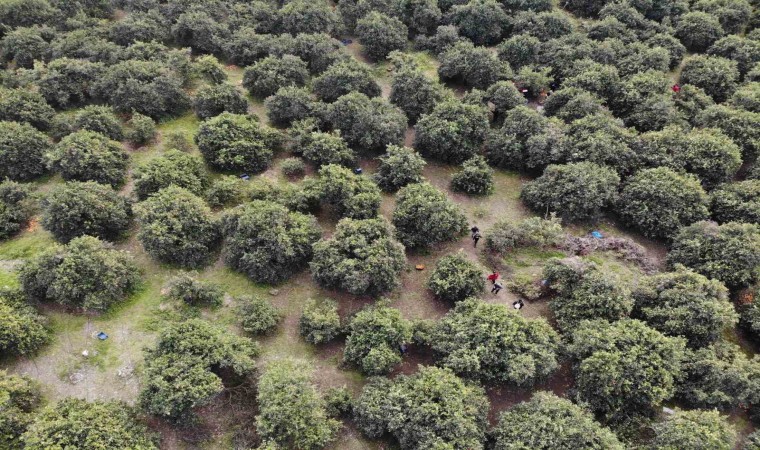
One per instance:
[(743, 50), (660, 201), (585, 8), (414, 92), (424, 216), (343, 77), (504, 96), (25, 45), (624, 369), (747, 97), (323, 148), (519, 50), (319, 322), (21, 105), (65, 81), (733, 15), (89, 156), (140, 27), (23, 330), (246, 46), (147, 87), (719, 376), (729, 253), (208, 68), (268, 75), (481, 21), (576, 191), (78, 208), (291, 104), (398, 167), (305, 16), (736, 202), (267, 242), (19, 397), (416, 410), (215, 99), (374, 336), (351, 195), (293, 167), (319, 50), (177, 227), (603, 140), (717, 76), (142, 129), (187, 289), (287, 396), (171, 168), (456, 278), (338, 401), (99, 119), (698, 30), (85, 274), (381, 34), (178, 372), (235, 142), (198, 29), (527, 140), (475, 178), (361, 257), (554, 423), (737, 124), (490, 342), (453, 132), (257, 315), (505, 236), (477, 67), (77, 423), (570, 104), (22, 151), (367, 124), (15, 208), (584, 292), (692, 430), (685, 303), (705, 152), (224, 191)]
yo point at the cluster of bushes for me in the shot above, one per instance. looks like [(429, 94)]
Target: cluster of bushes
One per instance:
[(178, 373)]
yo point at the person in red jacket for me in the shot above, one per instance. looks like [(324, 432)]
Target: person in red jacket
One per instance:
[(493, 277)]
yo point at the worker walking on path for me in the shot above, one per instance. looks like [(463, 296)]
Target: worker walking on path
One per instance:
[(497, 286), (493, 277), (475, 238)]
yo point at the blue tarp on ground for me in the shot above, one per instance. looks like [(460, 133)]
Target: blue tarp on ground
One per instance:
[(596, 234), (102, 336)]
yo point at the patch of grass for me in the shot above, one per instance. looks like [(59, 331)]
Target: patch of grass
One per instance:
[(26, 245), (8, 279)]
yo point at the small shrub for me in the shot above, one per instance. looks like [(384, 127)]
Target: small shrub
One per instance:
[(142, 129), (257, 316), (374, 337), (456, 278), (187, 289), (505, 236), (338, 401), (99, 119), (398, 167), (475, 178), (319, 322), (15, 210), (293, 168), (225, 191)]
